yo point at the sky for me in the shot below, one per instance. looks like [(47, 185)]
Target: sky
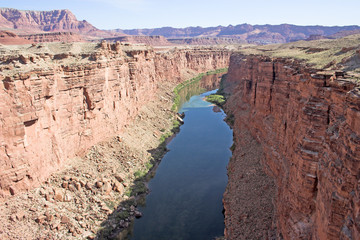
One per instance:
[(129, 14)]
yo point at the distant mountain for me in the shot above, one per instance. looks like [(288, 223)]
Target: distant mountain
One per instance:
[(29, 22), (23, 22), (262, 34), (345, 33), (148, 40)]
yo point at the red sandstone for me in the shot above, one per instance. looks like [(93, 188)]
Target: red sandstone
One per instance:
[(308, 125), (54, 37), (9, 38), (50, 115)]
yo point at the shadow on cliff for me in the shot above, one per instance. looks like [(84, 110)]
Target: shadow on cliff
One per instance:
[(119, 224)]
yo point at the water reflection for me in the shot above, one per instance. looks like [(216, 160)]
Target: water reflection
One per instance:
[(207, 83)]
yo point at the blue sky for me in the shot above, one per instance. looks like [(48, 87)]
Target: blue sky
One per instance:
[(127, 14)]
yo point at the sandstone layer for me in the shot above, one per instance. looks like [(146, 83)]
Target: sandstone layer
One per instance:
[(54, 37), (60, 99), (308, 125), (9, 38)]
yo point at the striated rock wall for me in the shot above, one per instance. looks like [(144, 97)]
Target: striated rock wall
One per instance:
[(31, 22), (51, 114), (308, 125), (9, 38), (55, 20), (54, 37)]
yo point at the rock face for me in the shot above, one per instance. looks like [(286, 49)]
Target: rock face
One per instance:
[(308, 125), (46, 21), (56, 20), (9, 38), (54, 37), (51, 114)]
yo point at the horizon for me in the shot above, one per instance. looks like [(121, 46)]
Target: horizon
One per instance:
[(234, 25), (141, 14)]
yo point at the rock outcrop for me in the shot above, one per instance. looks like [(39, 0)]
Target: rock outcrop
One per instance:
[(24, 21), (308, 125), (78, 98), (53, 37), (9, 38)]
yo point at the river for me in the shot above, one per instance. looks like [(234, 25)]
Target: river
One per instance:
[(185, 199)]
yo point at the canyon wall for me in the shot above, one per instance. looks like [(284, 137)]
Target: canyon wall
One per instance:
[(308, 125), (53, 113)]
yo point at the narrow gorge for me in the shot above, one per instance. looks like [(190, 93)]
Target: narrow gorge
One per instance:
[(79, 121), (72, 115)]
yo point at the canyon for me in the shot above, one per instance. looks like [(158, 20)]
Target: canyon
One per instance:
[(79, 120)]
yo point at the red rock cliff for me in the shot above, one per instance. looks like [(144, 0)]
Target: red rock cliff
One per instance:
[(308, 125), (42, 20), (54, 113)]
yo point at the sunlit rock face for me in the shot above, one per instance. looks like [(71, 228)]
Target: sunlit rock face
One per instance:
[(51, 113), (308, 125)]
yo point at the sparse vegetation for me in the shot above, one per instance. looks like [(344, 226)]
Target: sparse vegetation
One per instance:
[(140, 173), (121, 215), (139, 188), (216, 99)]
